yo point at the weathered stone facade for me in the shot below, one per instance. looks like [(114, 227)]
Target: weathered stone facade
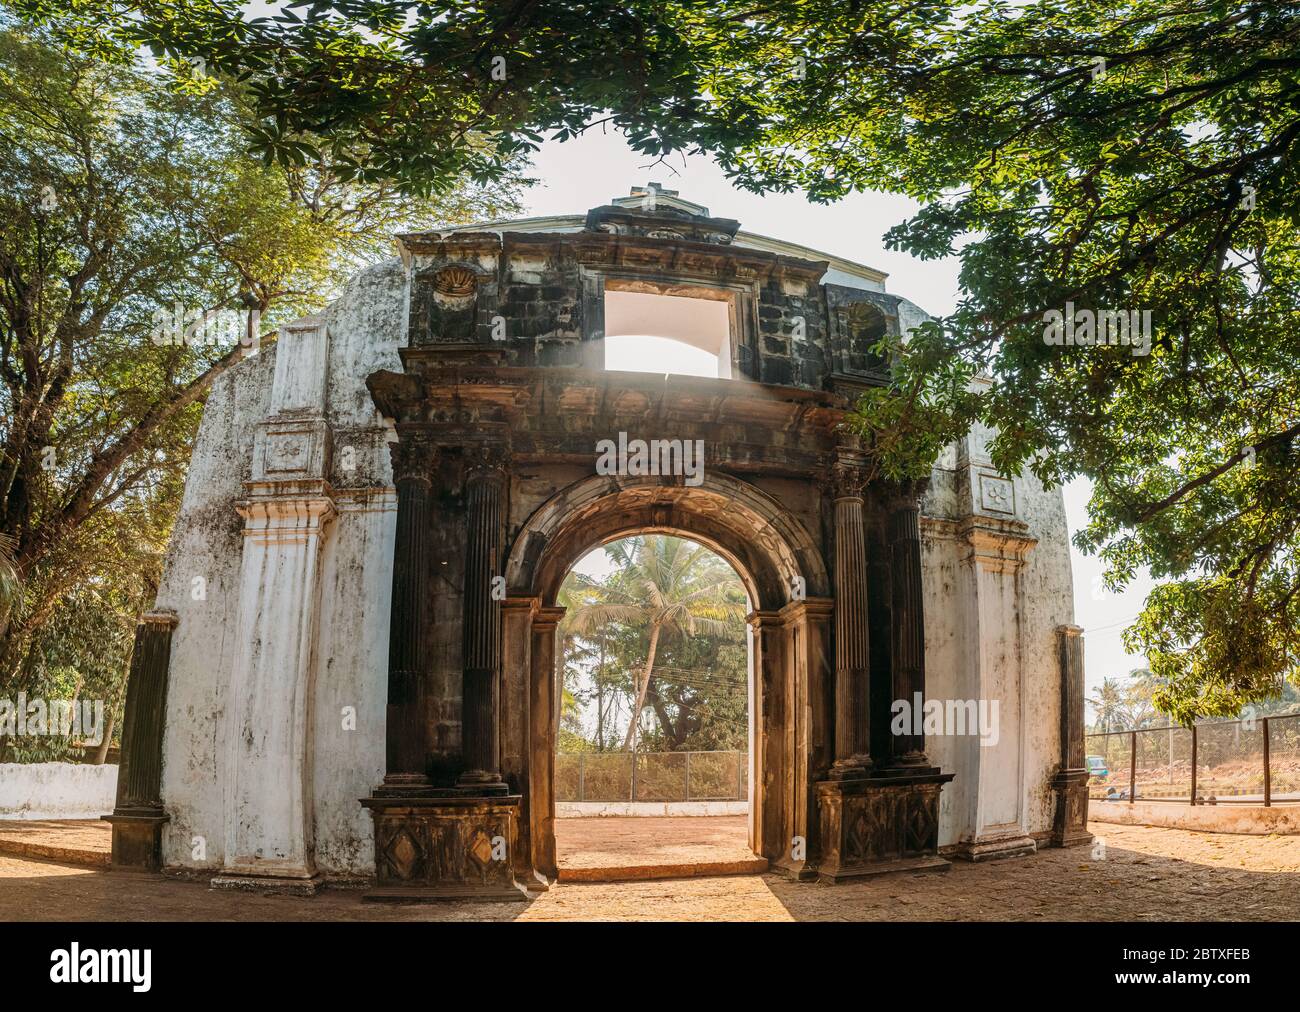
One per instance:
[(381, 509)]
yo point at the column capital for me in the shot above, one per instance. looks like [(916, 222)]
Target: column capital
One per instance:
[(414, 455), (849, 474), (810, 608), (487, 460), (527, 605), (547, 617), (902, 496)]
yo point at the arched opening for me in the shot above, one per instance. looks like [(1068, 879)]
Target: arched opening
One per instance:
[(786, 585), (654, 684)]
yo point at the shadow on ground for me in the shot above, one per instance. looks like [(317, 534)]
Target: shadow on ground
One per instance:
[(1146, 874)]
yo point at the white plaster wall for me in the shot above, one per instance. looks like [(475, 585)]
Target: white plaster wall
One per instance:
[(207, 545), (1047, 601), (365, 327), (1016, 773), (57, 790)]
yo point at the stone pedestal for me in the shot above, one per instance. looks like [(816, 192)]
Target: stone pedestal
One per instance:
[(880, 824), (449, 845)]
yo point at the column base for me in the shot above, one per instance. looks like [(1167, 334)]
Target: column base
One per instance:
[(279, 885), (910, 865), (795, 871), (137, 838), (447, 844), (880, 824), (995, 849), (856, 767), (482, 784), (1070, 822)]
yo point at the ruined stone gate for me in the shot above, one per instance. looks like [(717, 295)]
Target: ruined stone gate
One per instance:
[(382, 507)]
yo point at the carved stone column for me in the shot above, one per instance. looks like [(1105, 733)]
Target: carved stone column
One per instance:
[(886, 820), (414, 459), (771, 710), (807, 667), (908, 647), (852, 636), (485, 492), (541, 792), (1070, 824), (138, 815)]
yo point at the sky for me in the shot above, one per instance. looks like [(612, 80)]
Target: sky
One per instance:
[(593, 169)]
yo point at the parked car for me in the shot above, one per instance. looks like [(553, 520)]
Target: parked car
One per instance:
[(1097, 767)]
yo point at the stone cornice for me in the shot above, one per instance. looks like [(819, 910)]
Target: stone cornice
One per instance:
[(1000, 546), (287, 518), (679, 257)]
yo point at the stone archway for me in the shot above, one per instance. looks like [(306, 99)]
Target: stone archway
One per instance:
[(787, 582), (501, 486)]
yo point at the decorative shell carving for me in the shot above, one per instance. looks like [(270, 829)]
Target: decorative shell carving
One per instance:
[(456, 282)]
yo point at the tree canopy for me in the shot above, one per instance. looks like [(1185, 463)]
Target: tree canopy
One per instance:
[(122, 198), (1091, 156), (666, 628)]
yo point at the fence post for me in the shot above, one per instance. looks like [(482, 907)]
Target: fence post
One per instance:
[(1268, 778), (1132, 766), (688, 776), (582, 776), (741, 766), (633, 756), (1193, 762)]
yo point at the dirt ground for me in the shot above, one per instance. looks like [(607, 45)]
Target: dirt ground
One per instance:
[(1145, 874), (607, 849)]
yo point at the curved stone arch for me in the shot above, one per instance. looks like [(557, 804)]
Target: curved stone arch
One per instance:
[(761, 540)]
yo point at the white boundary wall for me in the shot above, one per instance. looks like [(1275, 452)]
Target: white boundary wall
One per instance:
[(56, 790)]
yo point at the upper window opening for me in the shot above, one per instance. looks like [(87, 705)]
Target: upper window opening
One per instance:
[(647, 332)]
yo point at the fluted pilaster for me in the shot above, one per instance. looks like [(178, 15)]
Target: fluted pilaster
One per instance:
[(852, 636), (485, 488), (406, 734), (908, 672)]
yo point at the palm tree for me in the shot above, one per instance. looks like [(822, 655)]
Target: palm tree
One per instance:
[(665, 585), (11, 583), (1108, 703)]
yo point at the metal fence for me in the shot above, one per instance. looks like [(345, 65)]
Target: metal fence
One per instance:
[(1221, 762), (652, 776)]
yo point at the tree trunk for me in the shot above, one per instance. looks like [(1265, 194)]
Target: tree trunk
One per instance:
[(641, 689), (101, 752), (600, 698)]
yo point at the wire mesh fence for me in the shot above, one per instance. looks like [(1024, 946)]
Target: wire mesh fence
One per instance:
[(1220, 762), (652, 776)]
